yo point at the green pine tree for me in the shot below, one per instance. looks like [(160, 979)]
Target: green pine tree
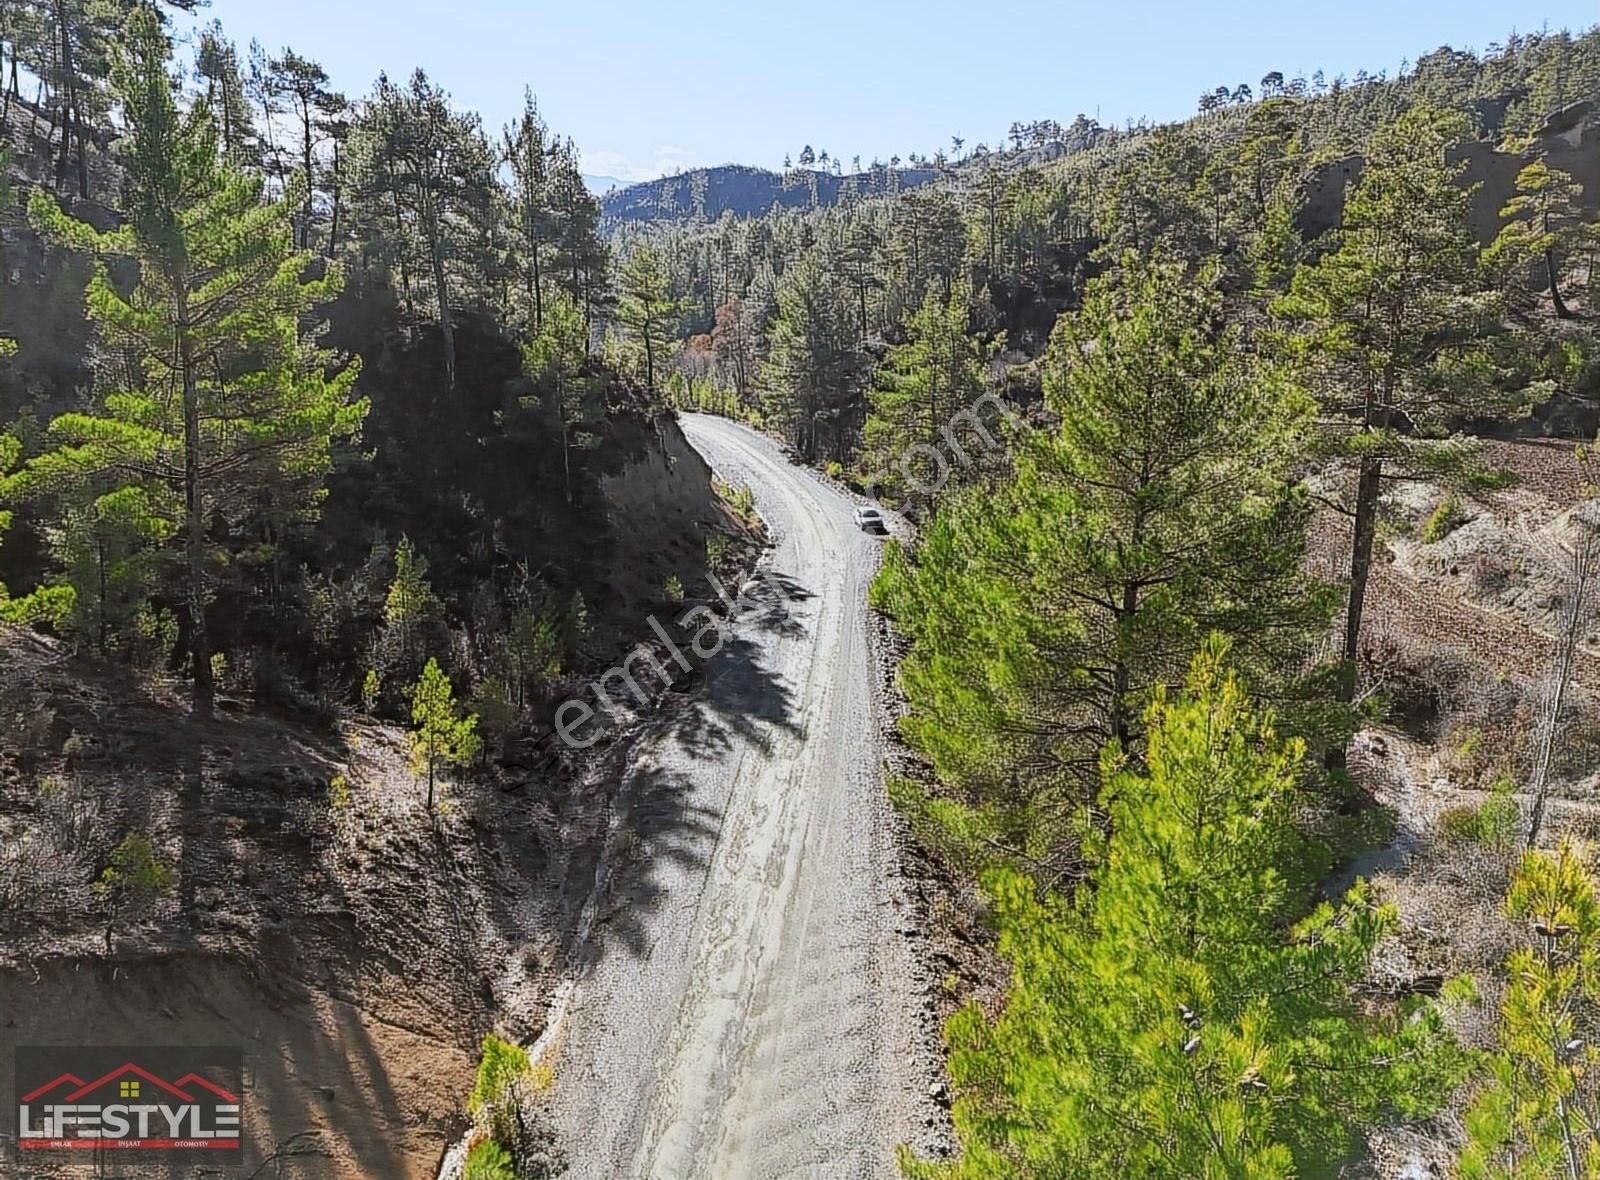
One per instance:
[(1545, 226), (410, 602), (1042, 611), (132, 881), (1537, 1117), (1192, 1013), (554, 361), (441, 737), (647, 311), (927, 381), (813, 366), (527, 153), (1393, 321), (228, 397)]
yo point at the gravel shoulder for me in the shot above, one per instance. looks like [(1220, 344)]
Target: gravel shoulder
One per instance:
[(748, 1005)]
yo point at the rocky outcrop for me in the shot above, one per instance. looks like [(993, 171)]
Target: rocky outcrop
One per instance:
[(1569, 140)]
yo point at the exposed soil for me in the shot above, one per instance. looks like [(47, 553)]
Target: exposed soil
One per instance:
[(1461, 629)]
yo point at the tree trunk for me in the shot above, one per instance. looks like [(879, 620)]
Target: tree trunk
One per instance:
[(307, 162), (83, 152), (69, 94), (649, 356), (1562, 310), (194, 524), (441, 288), (333, 227), (1585, 555), (1369, 487), (103, 642), (447, 328), (566, 451), (538, 290)]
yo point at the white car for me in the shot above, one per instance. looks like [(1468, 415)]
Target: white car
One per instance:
[(871, 520)]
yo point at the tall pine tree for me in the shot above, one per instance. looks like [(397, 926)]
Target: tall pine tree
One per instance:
[(1393, 321), (1043, 611), (227, 396)]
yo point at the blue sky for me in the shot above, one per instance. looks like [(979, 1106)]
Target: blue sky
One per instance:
[(647, 86)]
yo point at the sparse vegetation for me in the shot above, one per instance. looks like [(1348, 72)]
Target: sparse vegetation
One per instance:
[(1442, 521), (132, 881)]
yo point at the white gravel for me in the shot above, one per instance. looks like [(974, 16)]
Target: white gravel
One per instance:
[(746, 1010)]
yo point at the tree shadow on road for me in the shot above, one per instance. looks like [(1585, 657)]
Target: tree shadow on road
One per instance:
[(669, 824)]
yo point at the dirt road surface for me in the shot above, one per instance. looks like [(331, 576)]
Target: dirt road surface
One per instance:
[(745, 1010)]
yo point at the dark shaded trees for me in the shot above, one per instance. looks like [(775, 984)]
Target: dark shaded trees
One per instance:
[(424, 176)]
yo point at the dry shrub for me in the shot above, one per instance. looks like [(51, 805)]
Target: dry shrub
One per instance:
[(1417, 686), (1485, 737)]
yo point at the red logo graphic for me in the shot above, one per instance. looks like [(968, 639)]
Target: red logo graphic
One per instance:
[(131, 1106)]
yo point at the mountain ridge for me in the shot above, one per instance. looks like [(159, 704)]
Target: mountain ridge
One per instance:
[(746, 191)]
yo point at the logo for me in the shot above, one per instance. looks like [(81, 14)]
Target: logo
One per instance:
[(167, 1100)]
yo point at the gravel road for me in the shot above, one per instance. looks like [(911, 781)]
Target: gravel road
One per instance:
[(747, 1007)]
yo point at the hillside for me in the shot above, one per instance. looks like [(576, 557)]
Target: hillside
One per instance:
[(1075, 658), (707, 193)]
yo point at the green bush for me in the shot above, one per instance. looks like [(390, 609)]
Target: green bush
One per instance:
[(1442, 521), (489, 1161), (1496, 822), (502, 1064), (741, 499)]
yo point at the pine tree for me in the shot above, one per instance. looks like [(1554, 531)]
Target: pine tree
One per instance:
[(581, 258), (441, 737), (423, 174), (554, 361), (858, 260), (927, 381), (230, 397), (305, 84), (1537, 1115), (647, 310), (217, 69), (527, 154), (813, 367), (1042, 611), (1545, 224), (1193, 1013), (108, 553), (132, 881), (1393, 322), (410, 601)]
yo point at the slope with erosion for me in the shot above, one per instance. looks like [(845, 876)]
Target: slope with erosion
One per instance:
[(356, 946), (1465, 609)]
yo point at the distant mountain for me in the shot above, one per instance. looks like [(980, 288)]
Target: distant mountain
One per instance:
[(745, 192), (601, 185)]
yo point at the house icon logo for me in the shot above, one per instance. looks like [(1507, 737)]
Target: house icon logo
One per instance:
[(153, 1100)]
